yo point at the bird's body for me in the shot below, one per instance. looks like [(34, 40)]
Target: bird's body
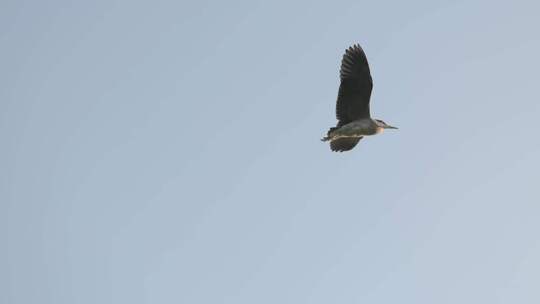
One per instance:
[(357, 128), (352, 107)]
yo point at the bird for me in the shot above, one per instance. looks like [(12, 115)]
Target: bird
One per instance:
[(352, 105)]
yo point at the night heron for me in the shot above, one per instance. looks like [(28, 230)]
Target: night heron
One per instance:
[(352, 106)]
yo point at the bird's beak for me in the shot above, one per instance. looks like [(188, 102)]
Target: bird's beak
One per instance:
[(390, 127)]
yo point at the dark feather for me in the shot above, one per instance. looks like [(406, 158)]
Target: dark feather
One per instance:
[(344, 144), (355, 87)]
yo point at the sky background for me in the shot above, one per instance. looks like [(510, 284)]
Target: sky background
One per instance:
[(169, 152)]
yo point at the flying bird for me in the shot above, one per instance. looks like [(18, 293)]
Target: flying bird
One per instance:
[(352, 106)]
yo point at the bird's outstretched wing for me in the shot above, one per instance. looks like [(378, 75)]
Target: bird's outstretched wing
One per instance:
[(355, 88), (344, 143)]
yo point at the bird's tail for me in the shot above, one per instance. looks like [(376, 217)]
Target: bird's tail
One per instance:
[(329, 134)]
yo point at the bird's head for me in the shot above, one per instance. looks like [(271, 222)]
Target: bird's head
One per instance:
[(382, 124)]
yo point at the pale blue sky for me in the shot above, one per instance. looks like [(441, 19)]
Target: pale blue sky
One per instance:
[(168, 152)]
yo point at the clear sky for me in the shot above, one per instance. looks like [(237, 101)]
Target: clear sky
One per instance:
[(169, 152)]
